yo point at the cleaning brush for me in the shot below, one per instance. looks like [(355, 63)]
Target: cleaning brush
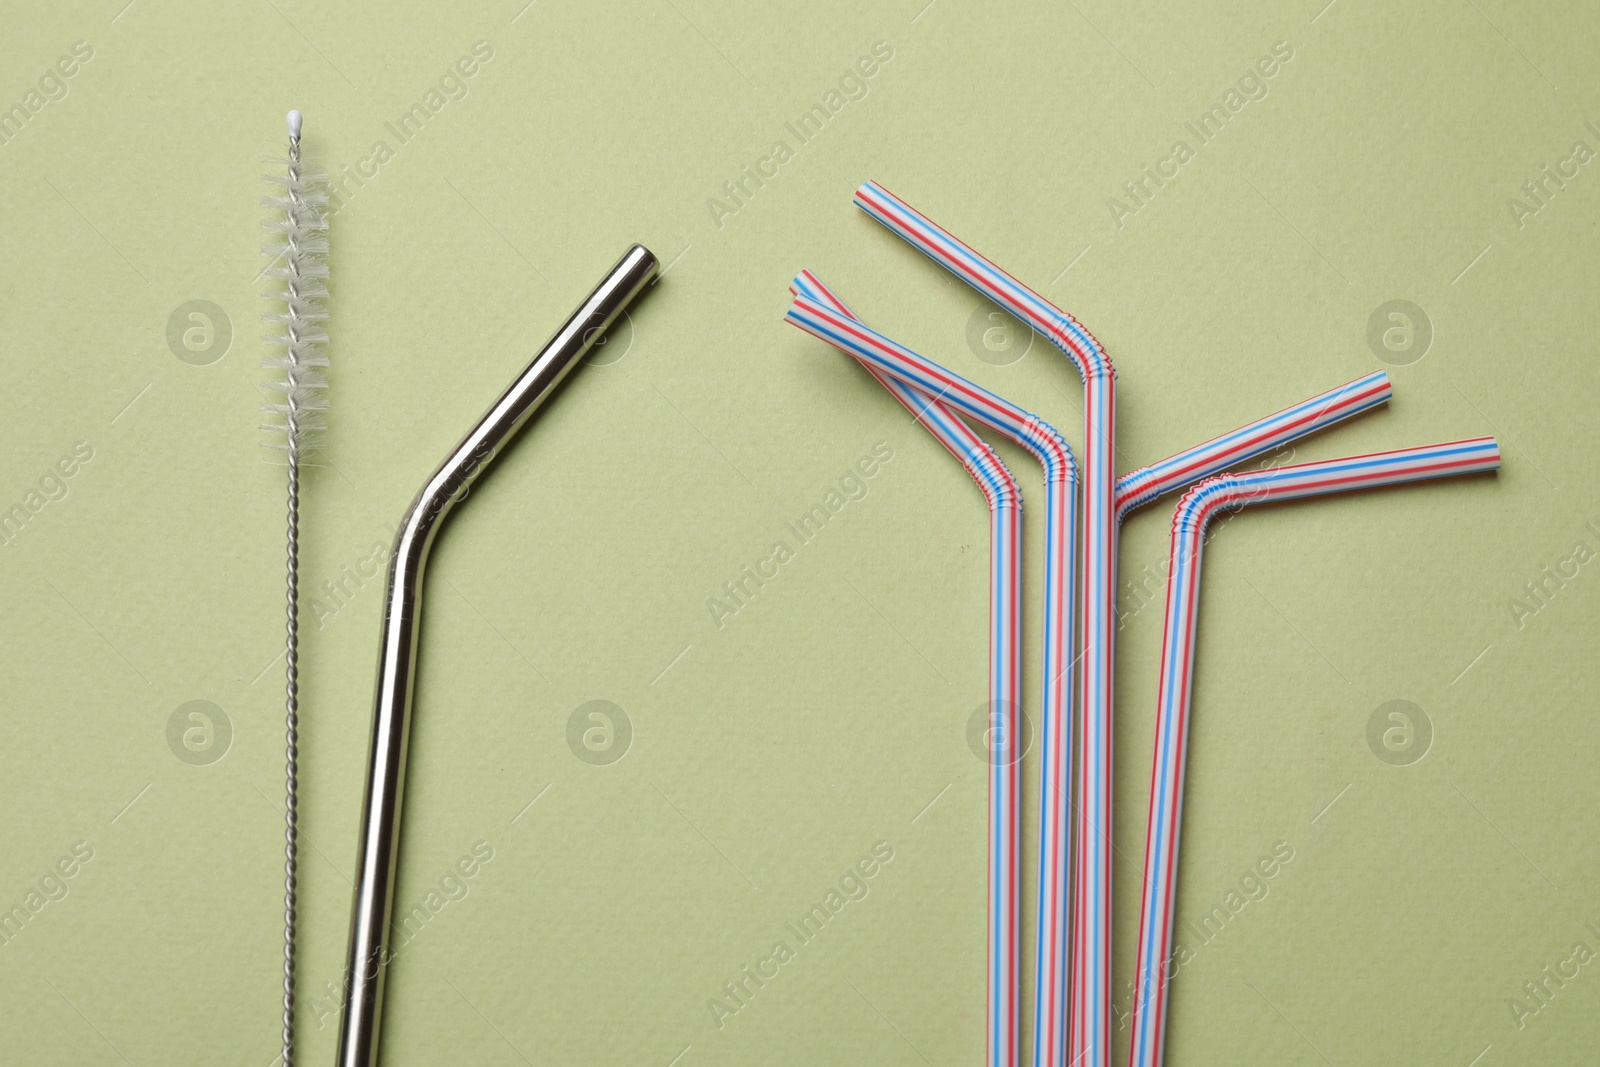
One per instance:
[(298, 271)]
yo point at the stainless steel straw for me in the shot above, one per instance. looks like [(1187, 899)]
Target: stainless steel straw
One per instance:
[(380, 831)]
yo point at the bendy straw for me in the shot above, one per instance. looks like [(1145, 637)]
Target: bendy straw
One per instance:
[(1046, 445), (380, 829), (299, 272), (1003, 752), (1189, 523), (1091, 912), (1146, 484)]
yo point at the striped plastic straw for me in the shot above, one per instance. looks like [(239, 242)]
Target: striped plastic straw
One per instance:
[(1041, 441), (1189, 523), (1140, 487), (1005, 643), (1091, 902)]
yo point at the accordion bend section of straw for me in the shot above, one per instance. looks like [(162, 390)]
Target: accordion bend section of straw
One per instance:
[(379, 848), (1189, 522), (1090, 962), (298, 270), (879, 353), (980, 461)]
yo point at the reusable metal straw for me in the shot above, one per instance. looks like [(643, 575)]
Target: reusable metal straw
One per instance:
[(1189, 522), (1091, 941), (1047, 446), (380, 830)]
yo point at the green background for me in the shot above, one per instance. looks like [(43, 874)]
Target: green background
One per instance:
[(770, 754)]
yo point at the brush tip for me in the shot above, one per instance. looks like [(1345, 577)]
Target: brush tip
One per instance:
[(294, 125)]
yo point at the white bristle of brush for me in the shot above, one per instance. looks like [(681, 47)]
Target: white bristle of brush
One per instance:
[(298, 268)]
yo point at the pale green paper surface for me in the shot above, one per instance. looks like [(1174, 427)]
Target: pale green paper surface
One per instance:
[(768, 756)]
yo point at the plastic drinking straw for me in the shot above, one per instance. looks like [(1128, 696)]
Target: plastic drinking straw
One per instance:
[(1091, 911), (1189, 522), (1140, 487), (1046, 445), (1005, 645)]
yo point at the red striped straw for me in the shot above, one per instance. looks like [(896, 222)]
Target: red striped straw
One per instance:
[(1140, 487), (1189, 521), (839, 328), (1005, 625), (1091, 902)]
